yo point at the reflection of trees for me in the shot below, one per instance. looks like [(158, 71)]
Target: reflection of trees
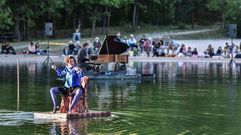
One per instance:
[(194, 72), (110, 93)]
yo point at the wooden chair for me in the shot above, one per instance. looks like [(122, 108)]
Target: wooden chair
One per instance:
[(82, 104)]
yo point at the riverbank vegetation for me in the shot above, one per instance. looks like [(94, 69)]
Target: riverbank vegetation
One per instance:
[(26, 19)]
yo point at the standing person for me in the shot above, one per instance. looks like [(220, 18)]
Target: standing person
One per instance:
[(132, 42), (72, 86), (118, 37), (96, 45), (147, 46), (76, 36), (141, 43)]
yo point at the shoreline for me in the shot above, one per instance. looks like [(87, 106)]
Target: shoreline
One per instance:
[(56, 58)]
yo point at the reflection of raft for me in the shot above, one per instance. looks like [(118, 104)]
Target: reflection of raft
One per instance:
[(80, 110)]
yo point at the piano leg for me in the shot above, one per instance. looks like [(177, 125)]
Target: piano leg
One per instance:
[(119, 67)]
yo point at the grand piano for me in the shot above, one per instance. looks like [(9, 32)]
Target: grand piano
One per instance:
[(111, 51)]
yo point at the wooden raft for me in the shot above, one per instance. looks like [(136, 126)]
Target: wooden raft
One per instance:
[(65, 116), (79, 111)]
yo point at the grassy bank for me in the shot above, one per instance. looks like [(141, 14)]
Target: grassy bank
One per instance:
[(56, 45)]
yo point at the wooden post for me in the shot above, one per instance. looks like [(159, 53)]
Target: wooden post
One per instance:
[(17, 84), (82, 105)]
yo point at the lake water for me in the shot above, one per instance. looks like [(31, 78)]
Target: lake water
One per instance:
[(181, 98)]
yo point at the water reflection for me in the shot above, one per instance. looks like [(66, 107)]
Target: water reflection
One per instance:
[(111, 94), (74, 127), (177, 96), (71, 127), (171, 69)]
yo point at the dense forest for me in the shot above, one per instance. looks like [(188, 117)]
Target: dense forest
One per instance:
[(24, 16)]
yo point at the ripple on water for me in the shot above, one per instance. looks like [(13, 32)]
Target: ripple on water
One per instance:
[(15, 118)]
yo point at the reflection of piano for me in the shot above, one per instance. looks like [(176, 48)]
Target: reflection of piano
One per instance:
[(111, 51)]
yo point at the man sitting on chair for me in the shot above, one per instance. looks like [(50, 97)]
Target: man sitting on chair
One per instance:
[(82, 57)]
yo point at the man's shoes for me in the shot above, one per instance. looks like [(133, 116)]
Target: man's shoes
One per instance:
[(55, 109)]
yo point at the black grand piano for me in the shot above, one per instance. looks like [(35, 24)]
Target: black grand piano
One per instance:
[(111, 51)]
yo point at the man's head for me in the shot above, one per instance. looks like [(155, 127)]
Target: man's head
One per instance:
[(97, 39), (118, 33), (70, 61), (85, 45)]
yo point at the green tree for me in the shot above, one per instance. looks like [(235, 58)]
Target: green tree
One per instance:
[(230, 11), (218, 6), (5, 18), (108, 4)]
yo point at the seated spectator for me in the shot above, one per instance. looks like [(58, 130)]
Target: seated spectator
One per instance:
[(65, 50), (71, 48), (96, 45), (209, 53), (160, 50), (31, 48), (225, 52), (219, 51), (155, 49), (8, 49), (4, 49), (189, 52), (77, 47), (194, 53), (182, 51), (40, 51)]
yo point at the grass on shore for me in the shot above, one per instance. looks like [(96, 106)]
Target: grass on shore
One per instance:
[(56, 45)]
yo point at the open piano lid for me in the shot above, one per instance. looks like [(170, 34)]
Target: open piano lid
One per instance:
[(110, 46)]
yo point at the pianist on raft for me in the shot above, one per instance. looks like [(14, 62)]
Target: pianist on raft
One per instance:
[(82, 57), (118, 37), (72, 86)]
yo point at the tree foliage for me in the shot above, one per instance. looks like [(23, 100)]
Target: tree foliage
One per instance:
[(5, 16), (24, 15)]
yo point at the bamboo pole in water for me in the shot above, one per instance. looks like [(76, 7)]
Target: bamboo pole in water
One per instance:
[(17, 84)]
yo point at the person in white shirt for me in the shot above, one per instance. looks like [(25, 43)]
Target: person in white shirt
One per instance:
[(132, 42), (31, 48)]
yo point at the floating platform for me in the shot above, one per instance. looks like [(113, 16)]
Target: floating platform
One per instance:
[(55, 116)]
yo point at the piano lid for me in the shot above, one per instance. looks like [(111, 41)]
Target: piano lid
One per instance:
[(111, 46)]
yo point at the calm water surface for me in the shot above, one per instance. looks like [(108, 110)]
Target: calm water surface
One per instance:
[(182, 98)]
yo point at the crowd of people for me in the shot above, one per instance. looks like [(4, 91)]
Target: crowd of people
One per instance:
[(163, 47), (34, 48)]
